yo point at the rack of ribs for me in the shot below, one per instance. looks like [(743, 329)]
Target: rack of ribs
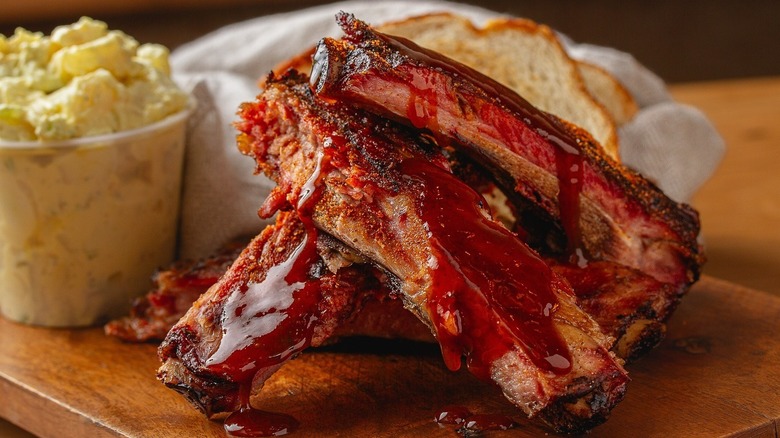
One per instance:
[(387, 193), (573, 203), (596, 208), (368, 205)]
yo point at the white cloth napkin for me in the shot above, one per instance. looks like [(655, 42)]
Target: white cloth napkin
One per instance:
[(673, 144)]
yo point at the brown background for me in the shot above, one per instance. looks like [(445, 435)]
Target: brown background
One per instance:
[(680, 40)]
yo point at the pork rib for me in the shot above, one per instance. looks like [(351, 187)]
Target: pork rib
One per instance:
[(388, 193), (275, 300), (179, 285), (628, 304), (602, 210)]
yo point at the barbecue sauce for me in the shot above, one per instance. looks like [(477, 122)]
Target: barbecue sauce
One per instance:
[(482, 422), (271, 321), (259, 321), (264, 326), (470, 422), (569, 165), (421, 112), (251, 422), (452, 415), (490, 291)]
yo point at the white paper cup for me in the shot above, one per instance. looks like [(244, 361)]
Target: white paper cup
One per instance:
[(84, 223)]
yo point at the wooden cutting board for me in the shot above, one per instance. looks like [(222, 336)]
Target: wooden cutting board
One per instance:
[(717, 374)]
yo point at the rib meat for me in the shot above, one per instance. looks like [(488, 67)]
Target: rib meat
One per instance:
[(388, 193), (276, 299), (601, 210), (628, 304)]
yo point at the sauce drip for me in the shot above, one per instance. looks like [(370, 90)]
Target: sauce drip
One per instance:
[(251, 422), (470, 422), (482, 422), (490, 291), (569, 164), (452, 414), (266, 323), (421, 111)]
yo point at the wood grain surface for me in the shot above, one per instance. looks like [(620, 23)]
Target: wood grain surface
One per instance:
[(715, 375)]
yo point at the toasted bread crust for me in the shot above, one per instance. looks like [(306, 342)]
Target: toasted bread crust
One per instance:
[(609, 92)]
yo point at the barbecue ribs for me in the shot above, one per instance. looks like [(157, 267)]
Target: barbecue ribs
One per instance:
[(597, 209), (368, 206), (276, 299), (387, 193)]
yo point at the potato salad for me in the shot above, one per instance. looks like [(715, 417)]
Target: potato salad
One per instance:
[(82, 80), (92, 138)]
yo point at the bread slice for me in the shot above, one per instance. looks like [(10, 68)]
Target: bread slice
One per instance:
[(521, 54), (610, 93)]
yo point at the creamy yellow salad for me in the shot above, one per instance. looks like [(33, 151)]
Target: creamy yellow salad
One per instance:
[(80, 81)]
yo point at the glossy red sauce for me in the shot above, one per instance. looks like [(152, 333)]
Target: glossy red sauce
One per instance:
[(570, 175), (481, 422), (470, 422), (266, 323), (452, 414), (490, 291), (251, 422)]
